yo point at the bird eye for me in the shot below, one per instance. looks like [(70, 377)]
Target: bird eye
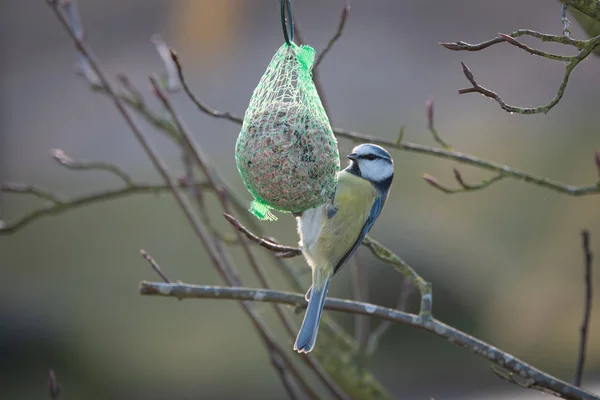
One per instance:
[(369, 157)]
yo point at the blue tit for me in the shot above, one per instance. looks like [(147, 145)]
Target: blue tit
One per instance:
[(331, 233)]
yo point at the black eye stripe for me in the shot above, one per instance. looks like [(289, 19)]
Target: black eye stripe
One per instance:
[(368, 157)]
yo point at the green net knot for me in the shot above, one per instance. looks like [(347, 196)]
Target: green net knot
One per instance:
[(306, 56), (262, 211)]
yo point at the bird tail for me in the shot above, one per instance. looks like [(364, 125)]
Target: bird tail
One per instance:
[(307, 337)]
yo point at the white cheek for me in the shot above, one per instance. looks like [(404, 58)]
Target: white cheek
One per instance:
[(375, 170)]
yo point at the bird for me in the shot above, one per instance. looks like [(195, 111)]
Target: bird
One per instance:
[(331, 233)]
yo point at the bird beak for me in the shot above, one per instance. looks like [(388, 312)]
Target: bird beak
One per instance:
[(352, 156)]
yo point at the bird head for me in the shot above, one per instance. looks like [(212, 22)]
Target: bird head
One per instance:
[(371, 162)]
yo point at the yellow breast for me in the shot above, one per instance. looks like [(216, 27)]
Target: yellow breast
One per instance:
[(353, 199)]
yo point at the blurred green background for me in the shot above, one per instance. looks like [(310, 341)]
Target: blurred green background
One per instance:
[(506, 263)]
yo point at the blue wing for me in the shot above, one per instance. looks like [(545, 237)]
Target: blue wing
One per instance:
[(373, 214)]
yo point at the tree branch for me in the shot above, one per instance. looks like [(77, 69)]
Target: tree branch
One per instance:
[(465, 187), (277, 360), (193, 150), (468, 159), (463, 158), (591, 8), (53, 386), (378, 250), (383, 327), (431, 127), (541, 380), (69, 163), (544, 37), (338, 33), (220, 263), (585, 47), (61, 205), (585, 326), (279, 251)]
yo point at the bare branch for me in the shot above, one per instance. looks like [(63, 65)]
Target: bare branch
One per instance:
[(203, 107), (585, 326), (172, 82), (386, 255), (510, 377), (468, 159), (154, 265), (219, 262), (338, 33), (465, 187), (69, 163), (382, 328), (463, 158), (565, 21), (509, 39), (362, 324), (279, 250), (53, 386), (540, 380), (463, 46), (83, 66), (191, 149), (588, 7), (378, 250), (19, 188), (585, 47), (431, 127), (62, 205)]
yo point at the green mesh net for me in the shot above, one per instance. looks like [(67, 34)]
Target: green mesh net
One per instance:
[(286, 152)]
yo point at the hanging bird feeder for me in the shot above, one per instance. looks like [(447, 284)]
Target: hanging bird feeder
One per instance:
[(286, 152)]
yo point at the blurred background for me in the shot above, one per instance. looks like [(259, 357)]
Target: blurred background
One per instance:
[(506, 262)]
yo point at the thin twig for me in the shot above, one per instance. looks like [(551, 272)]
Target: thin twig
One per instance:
[(551, 56), (565, 20), (540, 379), (464, 187), (463, 46), (468, 159), (362, 324), (190, 152), (191, 149), (384, 326), (68, 204), (585, 46), (459, 157), (280, 251), (510, 377), (172, 82), (585, 326), (424, 287), (588, 7), (431, 127), (159, 165), (338, 33), (203, 107), (154, 265), (378, 250), (53, 386), (83, 66), (69, 163), (316, 76), (19, 188)]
